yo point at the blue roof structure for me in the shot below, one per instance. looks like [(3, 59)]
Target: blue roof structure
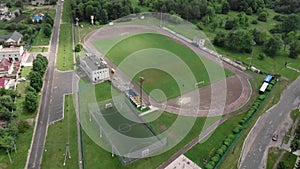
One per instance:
[(132, 93), (268, 78), (37, 18)]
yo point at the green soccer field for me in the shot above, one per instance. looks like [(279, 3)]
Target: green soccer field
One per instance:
[(160, 55)]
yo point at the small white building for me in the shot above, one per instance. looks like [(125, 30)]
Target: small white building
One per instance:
[(95, 68), (199, 42), (12, 53)]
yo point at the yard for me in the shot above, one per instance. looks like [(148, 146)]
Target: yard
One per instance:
[(59, 135)]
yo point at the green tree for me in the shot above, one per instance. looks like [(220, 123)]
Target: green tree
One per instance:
[(220, 39), (291, 23), (39, 67), (23, 126), (294, 49), (103, 16), (8, 4), (7, 102), (6, 143), (262, 17), (19, 3), (47, 31), (31, 101), (5, 114), (35, 80), (272, 46), (239, 40), (281, 165), (78, 48), (225, 7)]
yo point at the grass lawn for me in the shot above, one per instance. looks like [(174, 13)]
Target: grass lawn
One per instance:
[(66, 14), (202, 151), (288, 159), (21, 88), (94, 156), (135, 3), (273, 154), (64, 60), (41, 39), (38, 49), (294, 114), (19, 158), (160, 49), (58, 135), (273, 65)]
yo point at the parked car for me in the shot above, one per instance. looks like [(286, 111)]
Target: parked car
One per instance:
[(275, 137)]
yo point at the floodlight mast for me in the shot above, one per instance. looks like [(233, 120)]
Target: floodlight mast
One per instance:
[(141, 90)]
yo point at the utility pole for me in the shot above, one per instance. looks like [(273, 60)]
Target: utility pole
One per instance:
[(141, 90), (252, 53)]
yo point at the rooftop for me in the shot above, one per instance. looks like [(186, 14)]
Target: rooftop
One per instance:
[(94, 62), (16, 36), (11, 49)]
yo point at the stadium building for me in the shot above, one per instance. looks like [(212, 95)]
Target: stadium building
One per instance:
[(94, 67)]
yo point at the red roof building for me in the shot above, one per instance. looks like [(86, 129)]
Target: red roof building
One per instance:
[(6, 66), (5, 82)]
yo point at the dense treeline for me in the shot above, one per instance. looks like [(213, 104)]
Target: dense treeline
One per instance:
[(39, 67), (103, 11), (204, 13)]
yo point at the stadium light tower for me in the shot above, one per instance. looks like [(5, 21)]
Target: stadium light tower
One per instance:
[(141, 90)]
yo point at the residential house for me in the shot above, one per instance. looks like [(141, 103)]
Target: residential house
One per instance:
[(13, 39), (6, 83), (38, 2), (95, 68), (12, 53), (6, 66)]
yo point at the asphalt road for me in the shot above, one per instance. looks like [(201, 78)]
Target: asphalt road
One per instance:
[(268, 125), (37, 146)]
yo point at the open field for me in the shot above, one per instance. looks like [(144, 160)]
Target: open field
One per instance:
[(64, 58), (162, 122), (156, 47), (59, 134)]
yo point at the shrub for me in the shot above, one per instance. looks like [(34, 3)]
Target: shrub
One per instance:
[(209, 166), (231, 136), (212, 163), (261, 56), (23, 126), (220, 151), (262, 97), (78, 47), (215, 158), (242, 122), (262, 16), (224, 148), (237, 129), (254, 22)]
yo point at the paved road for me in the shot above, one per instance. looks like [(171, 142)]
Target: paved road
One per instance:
[(268, 125), (37, 146)]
